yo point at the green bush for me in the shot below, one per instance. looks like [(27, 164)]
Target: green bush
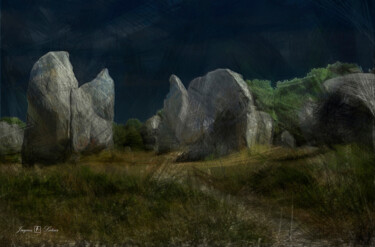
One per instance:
[(13, 120), (119, 135), (339, 68), (133, 138), (285, 100), (263, 94), (128, 135), (133, 123), (160, 112)]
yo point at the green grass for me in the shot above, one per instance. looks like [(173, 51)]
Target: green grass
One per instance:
[(332, 192), (140, 198), (106, 203)]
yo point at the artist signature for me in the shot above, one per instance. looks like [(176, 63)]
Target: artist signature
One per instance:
[(37, 230)]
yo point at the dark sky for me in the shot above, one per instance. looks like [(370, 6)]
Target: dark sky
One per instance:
[(142, 42)]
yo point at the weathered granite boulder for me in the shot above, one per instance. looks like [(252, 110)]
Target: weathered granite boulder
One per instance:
[(63, 118), (51, 82), (92, 107), (11, 138), (221, 95), (150, 133), (222, 116), (218, 119), (225, 137), (346, 115)]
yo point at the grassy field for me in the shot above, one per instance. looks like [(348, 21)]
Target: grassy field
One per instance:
[(261, 197)]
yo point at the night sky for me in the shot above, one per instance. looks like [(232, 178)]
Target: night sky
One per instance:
[(142, 42)]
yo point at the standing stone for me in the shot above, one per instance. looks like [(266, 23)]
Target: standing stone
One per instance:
[(48, 95), (218, 120), (264, 130), (173, 118), (92, 108), (346, 113), (287, 139), (307, 121), (150, 133), (63, 118), (176, 106), (215, 116), (11, 138)]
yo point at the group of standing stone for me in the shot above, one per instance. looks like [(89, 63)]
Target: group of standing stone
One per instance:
[(63, 119), (216, 115)]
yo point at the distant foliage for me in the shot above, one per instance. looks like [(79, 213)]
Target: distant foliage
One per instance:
[(263, 94), (119, 134), (13, 120), (128, 135), (344, 68), (285, 100), (133, 123)]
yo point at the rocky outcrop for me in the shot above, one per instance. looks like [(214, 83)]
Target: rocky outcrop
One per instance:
[(346, 112), (63, 117), (93, 105), (216, 115), (11, 138)]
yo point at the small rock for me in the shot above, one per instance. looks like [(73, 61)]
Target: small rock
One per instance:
[(287, 139), (150, 132), (11, 138)]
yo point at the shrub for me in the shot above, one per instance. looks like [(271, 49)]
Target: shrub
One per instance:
[(263, 94), (133, 123), (344, 68), (160, 113), (285, 100), (133, 138), (128, 135), (13, 120), (119, 135)]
